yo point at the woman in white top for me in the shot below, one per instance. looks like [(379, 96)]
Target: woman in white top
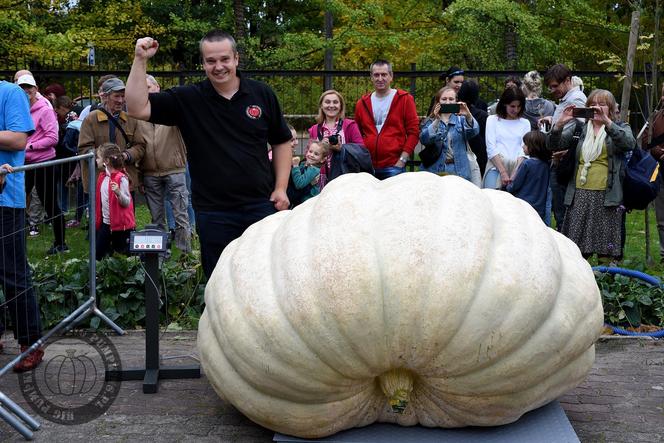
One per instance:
[(504, 135)]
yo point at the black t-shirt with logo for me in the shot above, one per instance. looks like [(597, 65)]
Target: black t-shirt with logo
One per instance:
[(226, 140)]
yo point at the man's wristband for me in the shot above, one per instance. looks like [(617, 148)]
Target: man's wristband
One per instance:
[(403, 159)]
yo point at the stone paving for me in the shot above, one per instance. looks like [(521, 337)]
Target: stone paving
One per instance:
[(622, 400)]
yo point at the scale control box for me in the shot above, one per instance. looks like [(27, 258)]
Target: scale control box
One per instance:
[(148, 240)]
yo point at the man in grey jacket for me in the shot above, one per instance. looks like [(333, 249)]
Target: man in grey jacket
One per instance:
[(559, 80), (163, 172)]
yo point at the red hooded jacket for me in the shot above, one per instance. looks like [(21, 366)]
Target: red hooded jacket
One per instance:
[(400, 133)]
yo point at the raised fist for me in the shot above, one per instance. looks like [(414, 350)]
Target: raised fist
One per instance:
[(146, 47)]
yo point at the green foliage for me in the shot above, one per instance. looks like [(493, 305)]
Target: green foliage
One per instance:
[(630, 302), (62, 285), (289, 34)]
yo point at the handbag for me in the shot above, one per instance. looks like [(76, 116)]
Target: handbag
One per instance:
[(430, 154), (475, 174)]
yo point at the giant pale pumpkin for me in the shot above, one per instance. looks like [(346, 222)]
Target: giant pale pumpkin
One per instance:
[(418, 299)]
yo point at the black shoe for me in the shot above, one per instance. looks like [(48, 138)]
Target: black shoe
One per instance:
[(57, 249)]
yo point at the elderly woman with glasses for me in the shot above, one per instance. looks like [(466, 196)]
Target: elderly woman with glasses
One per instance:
[(594, 193)]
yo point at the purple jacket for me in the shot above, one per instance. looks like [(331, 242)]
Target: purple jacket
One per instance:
[(41, 144)]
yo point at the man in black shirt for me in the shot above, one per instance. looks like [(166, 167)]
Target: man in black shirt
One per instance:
[(226, 122)]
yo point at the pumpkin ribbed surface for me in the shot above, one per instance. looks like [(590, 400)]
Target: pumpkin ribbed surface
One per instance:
[(418, 299)]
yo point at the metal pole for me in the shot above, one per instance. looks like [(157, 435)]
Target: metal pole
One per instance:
[(329, 63), (92, 85), (654, 92), (14, 423), (92, 227), (413, 80), (19, 412), (629, 68), (151, 324)]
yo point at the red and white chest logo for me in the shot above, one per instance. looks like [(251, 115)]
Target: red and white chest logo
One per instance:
[(254, 112)]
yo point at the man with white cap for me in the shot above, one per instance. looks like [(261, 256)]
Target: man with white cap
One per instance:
[(23, 72), (40, 148), (35, 211), (111, 124)]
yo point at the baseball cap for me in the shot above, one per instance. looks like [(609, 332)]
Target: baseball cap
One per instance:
[(26, 80), (112, 85)]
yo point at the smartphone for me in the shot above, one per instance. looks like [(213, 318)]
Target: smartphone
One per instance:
[(450, 108), (545, 126), (583, 112)]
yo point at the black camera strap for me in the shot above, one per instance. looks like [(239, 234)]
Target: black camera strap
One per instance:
[(320, 129), (576, 135), (117, 125)]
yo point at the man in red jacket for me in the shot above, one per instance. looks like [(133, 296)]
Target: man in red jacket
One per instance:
[(388, 121)]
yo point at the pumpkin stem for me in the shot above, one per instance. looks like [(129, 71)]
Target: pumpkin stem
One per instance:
[(397, 384)]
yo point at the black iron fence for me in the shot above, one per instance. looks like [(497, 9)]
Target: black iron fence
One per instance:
[(298, 91)]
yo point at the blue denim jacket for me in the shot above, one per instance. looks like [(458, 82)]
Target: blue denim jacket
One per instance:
[(459, 132)]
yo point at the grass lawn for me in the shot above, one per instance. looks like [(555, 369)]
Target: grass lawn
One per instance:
[(635, 246), (76, 238)]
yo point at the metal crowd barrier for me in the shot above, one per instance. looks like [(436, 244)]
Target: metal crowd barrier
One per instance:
[(11, 412)]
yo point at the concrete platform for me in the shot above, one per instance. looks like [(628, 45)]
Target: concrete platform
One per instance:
[(622, 400)]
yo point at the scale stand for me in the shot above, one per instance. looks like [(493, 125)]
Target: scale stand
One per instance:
[(151, 243)]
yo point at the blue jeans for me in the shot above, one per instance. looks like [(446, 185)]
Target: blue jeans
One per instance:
[(547, 209), (383, 173), (15, 278), (558, 200), (216, 229)]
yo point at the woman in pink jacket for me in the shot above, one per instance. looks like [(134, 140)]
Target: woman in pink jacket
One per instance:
[(332, 125), (40, 148)]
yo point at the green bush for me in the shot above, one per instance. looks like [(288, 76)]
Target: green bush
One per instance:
[(62, 285), (630, 302)]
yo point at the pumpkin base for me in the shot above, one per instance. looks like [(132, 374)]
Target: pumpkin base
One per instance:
[(397, 384)]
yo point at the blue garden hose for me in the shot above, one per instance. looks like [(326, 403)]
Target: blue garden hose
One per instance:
[(638, 275)]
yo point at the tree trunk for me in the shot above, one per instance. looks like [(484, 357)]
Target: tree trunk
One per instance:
[(511, 40), (238, 11)]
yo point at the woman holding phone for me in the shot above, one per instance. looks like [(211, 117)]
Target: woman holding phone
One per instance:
[(594, 193), (504, 137), (449, 126)]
